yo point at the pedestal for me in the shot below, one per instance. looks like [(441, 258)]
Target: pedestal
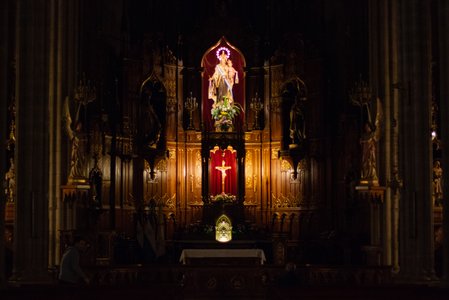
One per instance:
[(370, 203), (373, 255), (75, 199)]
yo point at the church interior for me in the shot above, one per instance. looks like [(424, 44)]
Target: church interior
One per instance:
[(225, 149)]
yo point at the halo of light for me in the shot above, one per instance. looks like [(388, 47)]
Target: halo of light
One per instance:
[(228, 52)]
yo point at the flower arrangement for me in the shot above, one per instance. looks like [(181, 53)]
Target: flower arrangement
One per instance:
[(223, 112), (223, 198)]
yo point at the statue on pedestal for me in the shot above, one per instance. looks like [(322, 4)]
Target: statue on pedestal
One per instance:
[(77, 155), (437, 184), (368, 141), (297, 125), (224, 108), (10, 178)]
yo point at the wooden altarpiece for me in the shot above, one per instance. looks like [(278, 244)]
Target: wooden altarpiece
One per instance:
[(227, 139)]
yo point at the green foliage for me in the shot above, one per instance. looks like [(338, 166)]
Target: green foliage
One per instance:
[(224, 112), (223, 198)]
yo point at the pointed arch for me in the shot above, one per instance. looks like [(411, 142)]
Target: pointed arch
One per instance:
[(152, 78), (294, 94), (223, 229), (151, 115), (208, 62)]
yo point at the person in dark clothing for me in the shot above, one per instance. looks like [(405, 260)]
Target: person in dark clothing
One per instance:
[(70, 271), (289, 277)]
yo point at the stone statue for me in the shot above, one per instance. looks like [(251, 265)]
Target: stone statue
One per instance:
[(368, 141), (10, 178), (437, 184), (76, 156), (223, 79), (297, 125), (151, 126), (233, 75)]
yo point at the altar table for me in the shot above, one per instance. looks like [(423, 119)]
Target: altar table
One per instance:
[(222, 256)]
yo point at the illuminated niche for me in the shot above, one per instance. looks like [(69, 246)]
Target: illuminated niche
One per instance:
[(223, 229)]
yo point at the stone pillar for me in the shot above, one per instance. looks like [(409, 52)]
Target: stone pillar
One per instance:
[(443, 26), (383, 78), (416, 213), (32, 140), (395, 182), (63, 48)]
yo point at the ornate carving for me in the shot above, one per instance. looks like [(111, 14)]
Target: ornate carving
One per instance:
[(170, 202), (211, 283), (198, 168), (286, 201), (249, 169), (171, 153), (169, 57), (10, 180), (275, 104), (437, 193), (255, 183), (151, 178), (192, 182), (276, 80), (12, 131), (10, 176), (238, 282), (249, 182), (171, 104), (162, 165), (285, 166)]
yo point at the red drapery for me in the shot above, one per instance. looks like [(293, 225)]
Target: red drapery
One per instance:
[(217, 156)]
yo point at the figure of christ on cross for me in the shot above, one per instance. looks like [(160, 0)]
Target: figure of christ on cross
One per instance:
[(223, 158), (223, 170)]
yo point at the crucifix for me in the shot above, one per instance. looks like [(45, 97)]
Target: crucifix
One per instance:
[(223, 170)]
